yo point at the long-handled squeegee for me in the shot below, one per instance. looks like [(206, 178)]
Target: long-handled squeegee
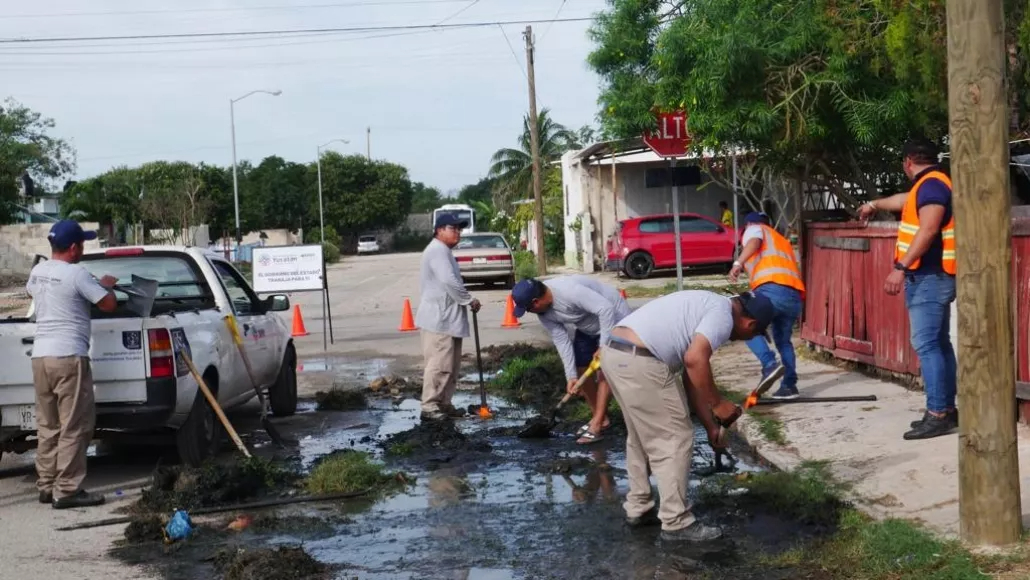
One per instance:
[(854, 399)]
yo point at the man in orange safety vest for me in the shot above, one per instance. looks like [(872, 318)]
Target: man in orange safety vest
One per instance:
[(773, 272), (924, 265)]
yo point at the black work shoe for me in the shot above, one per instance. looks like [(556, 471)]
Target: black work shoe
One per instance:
[(454, 412), (931, 427), (81, 498), (46, 497), (952, 414), (434, 416), (695, 532), (770, 376), (650, 518)]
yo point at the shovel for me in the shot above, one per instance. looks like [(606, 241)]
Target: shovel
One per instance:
[(484, 411), (273, 433), (540, 427)]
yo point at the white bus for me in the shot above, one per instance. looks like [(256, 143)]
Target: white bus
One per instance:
[(462, 211)]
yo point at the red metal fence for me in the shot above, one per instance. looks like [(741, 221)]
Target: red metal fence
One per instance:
[(848, 313)]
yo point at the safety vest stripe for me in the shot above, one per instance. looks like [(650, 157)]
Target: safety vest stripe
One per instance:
[(775, 270), (908, 228), (948, 254), (948, 234), (902, 246)]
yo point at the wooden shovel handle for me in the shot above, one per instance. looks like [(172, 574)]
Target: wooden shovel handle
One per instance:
[(591, 369), (214, 404)]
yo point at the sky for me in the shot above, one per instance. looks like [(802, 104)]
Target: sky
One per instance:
[(439, 102)]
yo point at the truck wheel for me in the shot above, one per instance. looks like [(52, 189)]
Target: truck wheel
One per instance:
[(201, 433), (509, 282), (282, 397)]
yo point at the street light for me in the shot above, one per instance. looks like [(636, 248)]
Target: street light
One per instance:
[(235, 184), (318, 162)]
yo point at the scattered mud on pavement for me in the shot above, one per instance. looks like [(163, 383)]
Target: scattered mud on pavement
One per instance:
[(486, 505)]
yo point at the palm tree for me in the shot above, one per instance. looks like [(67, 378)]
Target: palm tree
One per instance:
[(513, 168)]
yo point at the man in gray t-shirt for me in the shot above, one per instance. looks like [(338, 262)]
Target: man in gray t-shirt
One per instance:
[(63, 292), (592, 309), (647, 355)]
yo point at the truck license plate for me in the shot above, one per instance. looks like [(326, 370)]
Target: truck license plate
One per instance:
[(478, 260), (27, 416)]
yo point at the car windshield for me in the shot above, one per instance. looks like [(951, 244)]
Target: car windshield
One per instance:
[(482, 242)]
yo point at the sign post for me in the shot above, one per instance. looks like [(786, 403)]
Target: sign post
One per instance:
[(671, 140), (292, 269)]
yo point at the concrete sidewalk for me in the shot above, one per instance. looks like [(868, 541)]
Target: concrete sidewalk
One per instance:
[(915, 480)]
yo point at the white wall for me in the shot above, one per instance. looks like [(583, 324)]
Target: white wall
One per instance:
[(19, 244)]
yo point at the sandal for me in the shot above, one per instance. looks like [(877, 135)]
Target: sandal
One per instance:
[(590, 437), (586, 427)]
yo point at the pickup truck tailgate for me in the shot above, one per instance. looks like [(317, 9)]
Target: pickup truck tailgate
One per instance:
[(117, 351)]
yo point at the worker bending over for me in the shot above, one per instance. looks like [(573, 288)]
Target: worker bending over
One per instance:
[(643, 360), (593, 309), (773, 272)]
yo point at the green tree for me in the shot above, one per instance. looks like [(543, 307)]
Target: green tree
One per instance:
[(111, 199), (424, 199), (512, 169), (26, 147), (277, 194), (809, 87), (361, 195), (482, 191)]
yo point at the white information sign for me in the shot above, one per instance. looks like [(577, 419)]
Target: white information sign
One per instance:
[(287, 268)]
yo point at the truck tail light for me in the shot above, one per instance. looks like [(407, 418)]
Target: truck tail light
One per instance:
[(499, 258), (162, 358)]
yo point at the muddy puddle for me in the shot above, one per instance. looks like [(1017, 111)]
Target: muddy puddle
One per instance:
[(491, 506)]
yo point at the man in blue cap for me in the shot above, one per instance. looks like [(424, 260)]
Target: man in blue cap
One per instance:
[(63, 292), (442, 319), (666, 341), (773, 272), (593, 309)]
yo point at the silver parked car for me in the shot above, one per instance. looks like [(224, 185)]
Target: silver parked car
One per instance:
[(485, 257), (368, 245)]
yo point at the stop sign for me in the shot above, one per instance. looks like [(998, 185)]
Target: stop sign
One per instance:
[(670, 139)]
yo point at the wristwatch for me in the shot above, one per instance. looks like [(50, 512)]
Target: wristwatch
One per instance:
[(898, 266)]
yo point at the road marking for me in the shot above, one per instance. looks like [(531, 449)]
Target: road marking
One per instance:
[(370, 278)]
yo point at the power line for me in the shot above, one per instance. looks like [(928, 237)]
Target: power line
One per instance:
[(252, 33), (512, 49), (548, 29), (286, 7), (462, 9)]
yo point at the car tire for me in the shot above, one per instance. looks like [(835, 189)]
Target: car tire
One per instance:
[(201, 434), (282, 397), (509, 282), (639, 265)]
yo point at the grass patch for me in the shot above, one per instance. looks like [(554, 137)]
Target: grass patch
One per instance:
[(401, 449), (281, 563), (337, 399), (808, 494), (351, 471), (534, 380)]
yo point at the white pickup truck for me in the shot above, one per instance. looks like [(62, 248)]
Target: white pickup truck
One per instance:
[(140, 386)]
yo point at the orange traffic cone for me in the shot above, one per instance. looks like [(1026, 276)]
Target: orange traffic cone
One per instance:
[(298, 322), (622, 292), (509, 316), (407, 320)]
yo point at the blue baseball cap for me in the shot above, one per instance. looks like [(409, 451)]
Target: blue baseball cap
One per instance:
[(448, 219), (760, 309), (524, 293), (65, 233), (757, 217)]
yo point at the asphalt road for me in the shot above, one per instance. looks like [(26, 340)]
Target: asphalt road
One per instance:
[(366, 299)]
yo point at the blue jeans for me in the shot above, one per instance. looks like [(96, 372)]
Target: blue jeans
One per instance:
[(786, 302), (928, 298)]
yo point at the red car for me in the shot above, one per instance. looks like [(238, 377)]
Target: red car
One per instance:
[(644, 244)]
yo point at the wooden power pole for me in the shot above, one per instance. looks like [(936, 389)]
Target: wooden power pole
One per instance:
[(534, 138), (368, 143), (989, 504)]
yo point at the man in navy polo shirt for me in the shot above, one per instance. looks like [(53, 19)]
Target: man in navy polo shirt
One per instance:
[(924, 265)]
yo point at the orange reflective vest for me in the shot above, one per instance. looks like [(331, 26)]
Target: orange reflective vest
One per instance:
[(774, 262), (909, 226)]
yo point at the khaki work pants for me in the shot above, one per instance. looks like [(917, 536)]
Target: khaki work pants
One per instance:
[(65, 417), (443, 363), (660, 438)]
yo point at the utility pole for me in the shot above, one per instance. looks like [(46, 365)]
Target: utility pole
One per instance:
[(534, 138), (989, 504), (368, 143)]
